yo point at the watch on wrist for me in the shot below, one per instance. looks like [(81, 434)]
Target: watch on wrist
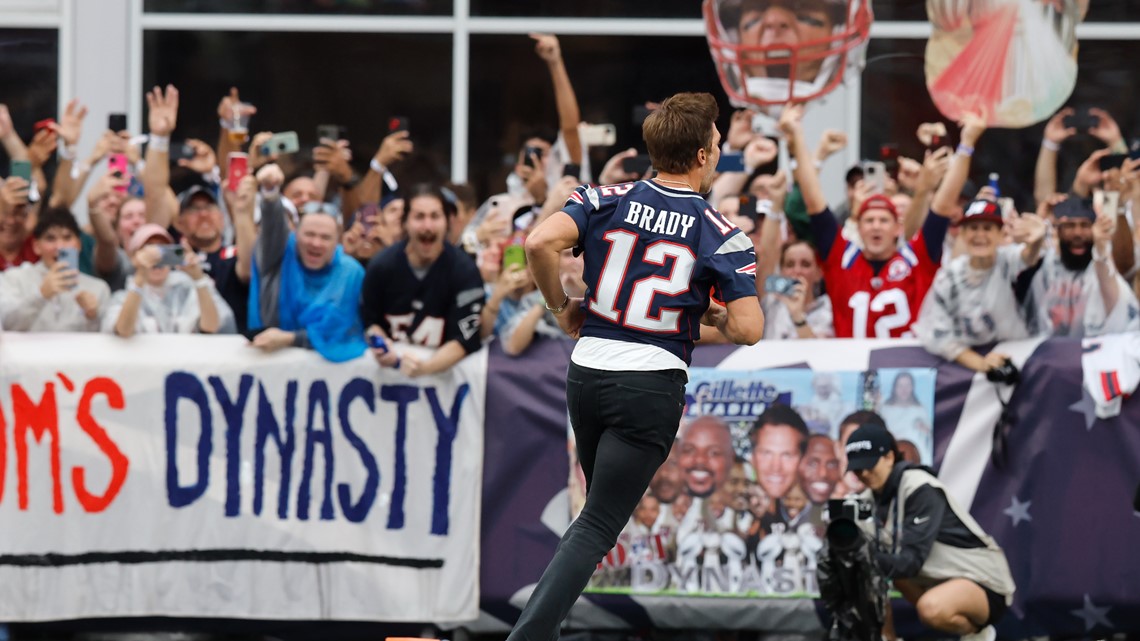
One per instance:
[(560, 308)]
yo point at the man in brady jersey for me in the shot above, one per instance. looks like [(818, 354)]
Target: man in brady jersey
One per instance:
[(653, 250), (876, 291)]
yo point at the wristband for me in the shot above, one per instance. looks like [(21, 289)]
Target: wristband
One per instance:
[(799, 323), (66, 152), (376, 167), (964, 150), (159, 143), (1050, 145), (560, 308), (203, 282), (763, 207), (225, 123), (132, 286)]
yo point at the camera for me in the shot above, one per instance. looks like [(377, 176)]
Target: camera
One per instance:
[(1006, 373), (850, 584)]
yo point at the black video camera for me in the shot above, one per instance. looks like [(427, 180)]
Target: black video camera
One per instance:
[(850, 584), (1007, 373)]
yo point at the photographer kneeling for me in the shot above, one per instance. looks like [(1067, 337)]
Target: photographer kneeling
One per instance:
[(936, 554)]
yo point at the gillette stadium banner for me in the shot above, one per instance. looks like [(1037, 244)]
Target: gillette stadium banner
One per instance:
[(190, 476), (1060, 500)]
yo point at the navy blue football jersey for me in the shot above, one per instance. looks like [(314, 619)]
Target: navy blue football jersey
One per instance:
[(652, 256), (442, 306)]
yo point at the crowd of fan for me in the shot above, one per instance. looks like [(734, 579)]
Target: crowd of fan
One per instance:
[(307, 252)]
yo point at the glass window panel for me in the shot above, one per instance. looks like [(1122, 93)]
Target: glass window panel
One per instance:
[(333, 7), (895, 101), (301, 80), (30, 78), (511, 92)]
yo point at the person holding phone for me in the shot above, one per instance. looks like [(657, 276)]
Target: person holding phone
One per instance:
[(16, 244), (972, 301), (52, 295), (169, 292), (798, 308), (424, 291)]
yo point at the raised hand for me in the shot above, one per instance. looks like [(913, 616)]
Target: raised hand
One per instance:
[(547, 48), (393, 148), (613, 172), (60, 278), (832, 141), (973, 126), (1106, 128), (42, 147), (163, 109), (1028, 229), (228, 104), (204, 159), (1055, 130), (760, 151), (70, 124), (791, 119)]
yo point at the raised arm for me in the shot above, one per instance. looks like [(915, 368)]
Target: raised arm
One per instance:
[(1102, 260), (392, 149), (240, 204), (1045, 172), (226, 109), (103, 201), (933, 171), (805, 173), (13, 146), (946, 198), (162, 119), (547, 48)]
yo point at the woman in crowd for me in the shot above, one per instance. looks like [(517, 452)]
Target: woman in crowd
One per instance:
[(902, 411), (159, 299)]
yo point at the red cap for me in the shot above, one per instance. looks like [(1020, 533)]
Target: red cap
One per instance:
[(878, 201)]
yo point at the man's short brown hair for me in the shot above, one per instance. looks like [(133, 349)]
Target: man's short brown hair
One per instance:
[(678, 129)]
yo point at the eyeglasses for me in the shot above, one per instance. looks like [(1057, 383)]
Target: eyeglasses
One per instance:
[(199, 209)]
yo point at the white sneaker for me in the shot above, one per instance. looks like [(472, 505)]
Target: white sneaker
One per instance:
[(987, 633)]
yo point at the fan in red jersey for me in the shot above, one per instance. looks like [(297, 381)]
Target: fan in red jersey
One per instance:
[(877, 285)]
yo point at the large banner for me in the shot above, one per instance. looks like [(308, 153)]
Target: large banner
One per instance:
[(739, 507), (196, 477)]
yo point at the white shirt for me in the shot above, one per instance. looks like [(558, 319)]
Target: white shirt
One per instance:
[(24, 309), (1067, 303), (967, 306), (778, 323), (623, 356)]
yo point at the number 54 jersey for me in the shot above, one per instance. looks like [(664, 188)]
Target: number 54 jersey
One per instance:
[(652, 256)]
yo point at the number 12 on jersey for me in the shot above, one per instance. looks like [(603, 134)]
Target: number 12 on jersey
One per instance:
[(617, 266)]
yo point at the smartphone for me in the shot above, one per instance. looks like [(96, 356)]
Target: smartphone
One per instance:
[(730, 162), (776, 284), (285, 142), (604, 135), (239, 167), (636, 165), (180, 151), (936, 142), (117, 122), (377, 342), (530, 153), (1080, 119), (331, 132), (397, 123), (172, 255), (889, 154), (21, 169), (1111, 205), (514, 254), (875, 174), (46, 123), (68, 256), (1112, 161), (640, 113)]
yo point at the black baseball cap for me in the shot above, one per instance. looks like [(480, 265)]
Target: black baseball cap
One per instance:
[(866, 445)]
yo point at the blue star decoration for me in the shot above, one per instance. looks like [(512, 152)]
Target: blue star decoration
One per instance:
[(1092, 615), (1018, 511), (1085, 406)]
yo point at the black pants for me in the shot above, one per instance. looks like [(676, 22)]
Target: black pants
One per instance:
[(624, 423)]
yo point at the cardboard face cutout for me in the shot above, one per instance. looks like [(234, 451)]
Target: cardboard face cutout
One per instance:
[(771, 52), (1011, 61)]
